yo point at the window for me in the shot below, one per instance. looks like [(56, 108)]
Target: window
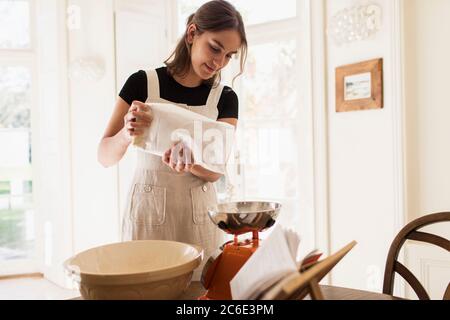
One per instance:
[(268, 131), (17, 239), (14, 24), (269, 162), (251, 10)]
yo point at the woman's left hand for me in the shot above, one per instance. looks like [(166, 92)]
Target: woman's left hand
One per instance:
[(179, 158)]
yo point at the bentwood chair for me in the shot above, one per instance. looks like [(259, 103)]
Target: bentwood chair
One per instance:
[(410, 232)]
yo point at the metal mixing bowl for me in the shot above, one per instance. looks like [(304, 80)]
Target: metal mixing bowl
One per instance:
[(242, 217)]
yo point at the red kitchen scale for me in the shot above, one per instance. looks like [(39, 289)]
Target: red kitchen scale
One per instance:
[(235, 218)]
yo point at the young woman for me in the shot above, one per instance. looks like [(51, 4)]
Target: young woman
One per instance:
[(170, 196)]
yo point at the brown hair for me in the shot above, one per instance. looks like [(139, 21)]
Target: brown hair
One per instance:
[(213, 16)]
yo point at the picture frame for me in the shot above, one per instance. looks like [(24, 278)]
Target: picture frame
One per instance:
[(359, 86)]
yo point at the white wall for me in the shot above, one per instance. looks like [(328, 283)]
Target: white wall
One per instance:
[(51, 144), (94, 200), (363, 160), (428, 134), (149, 21), (428, 106)]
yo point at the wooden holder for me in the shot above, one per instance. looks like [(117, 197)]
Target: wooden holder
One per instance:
[(297, 285)]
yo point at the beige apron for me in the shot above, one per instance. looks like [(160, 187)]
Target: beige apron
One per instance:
[(165, 205)]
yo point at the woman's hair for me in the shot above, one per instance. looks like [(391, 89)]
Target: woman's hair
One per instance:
[(213, 16)]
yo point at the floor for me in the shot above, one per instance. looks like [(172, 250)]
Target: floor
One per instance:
[(34, 289)]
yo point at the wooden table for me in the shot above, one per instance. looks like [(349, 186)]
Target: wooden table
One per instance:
[(195, 290), (329, 292)]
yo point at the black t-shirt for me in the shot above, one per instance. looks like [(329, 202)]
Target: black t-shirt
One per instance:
[(135, 89)]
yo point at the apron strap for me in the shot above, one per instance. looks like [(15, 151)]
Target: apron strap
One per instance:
[(152, 85), (214, 97)]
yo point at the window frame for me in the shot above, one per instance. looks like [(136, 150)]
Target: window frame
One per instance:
[(27, 58), (259, 34), (300, 28)]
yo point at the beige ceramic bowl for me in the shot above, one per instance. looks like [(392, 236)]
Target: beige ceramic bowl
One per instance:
[(151, 269)]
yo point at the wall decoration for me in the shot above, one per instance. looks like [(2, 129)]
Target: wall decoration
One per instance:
[(359, 86), (87, 68), (355, 24)]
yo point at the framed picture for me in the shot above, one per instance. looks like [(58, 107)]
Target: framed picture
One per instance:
[(359, 86)]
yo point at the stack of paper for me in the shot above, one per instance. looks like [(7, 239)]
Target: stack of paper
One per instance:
[(272, 261)]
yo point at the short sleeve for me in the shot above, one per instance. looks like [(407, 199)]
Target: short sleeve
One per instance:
[(135, 88), (228, 104)]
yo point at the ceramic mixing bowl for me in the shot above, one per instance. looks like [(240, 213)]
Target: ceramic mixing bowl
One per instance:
[(149, 269)]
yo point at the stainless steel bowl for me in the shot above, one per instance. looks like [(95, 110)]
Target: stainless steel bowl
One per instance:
[(242, 217)]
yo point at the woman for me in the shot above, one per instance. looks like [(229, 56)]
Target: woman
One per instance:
[(169, 195)]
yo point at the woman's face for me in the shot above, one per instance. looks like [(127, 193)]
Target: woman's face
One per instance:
[(211, 51)]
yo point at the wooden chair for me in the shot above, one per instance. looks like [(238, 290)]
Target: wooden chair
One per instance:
[(296, 286), (410, 232)]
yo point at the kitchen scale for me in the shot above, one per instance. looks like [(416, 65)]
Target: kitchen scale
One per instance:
[(235, 218)]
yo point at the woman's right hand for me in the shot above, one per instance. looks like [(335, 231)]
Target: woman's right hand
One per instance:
[(137, 120)]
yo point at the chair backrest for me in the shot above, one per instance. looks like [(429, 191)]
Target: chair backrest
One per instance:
[(409, 232)]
